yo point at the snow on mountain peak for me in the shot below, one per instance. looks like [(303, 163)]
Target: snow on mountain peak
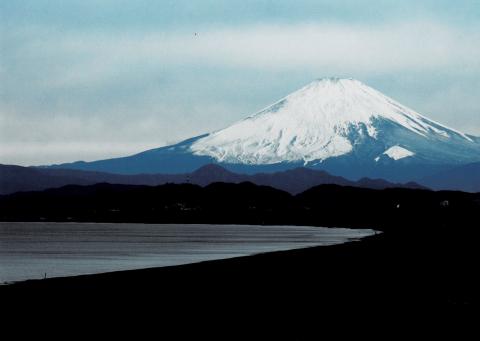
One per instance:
[(316, 122), (397, 152)]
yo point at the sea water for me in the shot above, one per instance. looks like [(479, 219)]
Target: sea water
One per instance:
[(38, 250)]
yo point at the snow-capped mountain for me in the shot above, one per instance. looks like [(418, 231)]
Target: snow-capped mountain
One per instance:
[(325, 119), (340, 125)]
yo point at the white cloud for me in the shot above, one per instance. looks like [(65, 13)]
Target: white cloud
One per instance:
[(341, 48)]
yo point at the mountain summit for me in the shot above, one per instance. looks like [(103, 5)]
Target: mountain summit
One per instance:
[(339, 125)]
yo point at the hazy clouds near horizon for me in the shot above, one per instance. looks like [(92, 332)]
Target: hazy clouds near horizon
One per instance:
[(84, 80)]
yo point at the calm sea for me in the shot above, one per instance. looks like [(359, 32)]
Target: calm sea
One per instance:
[(33, 250)]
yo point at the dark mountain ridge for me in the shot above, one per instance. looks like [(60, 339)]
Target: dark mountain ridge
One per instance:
[(17, 178), (247, 203)]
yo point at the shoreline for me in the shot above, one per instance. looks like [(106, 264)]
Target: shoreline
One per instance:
[(356, 265), (402, 279)]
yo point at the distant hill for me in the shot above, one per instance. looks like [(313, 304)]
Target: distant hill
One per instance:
[(464, 178), (16, 178), (243, 203)]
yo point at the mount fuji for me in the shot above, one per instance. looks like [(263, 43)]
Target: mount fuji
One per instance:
[(339, 125)]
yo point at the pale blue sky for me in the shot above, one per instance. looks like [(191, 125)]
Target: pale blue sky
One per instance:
[(94, 79)]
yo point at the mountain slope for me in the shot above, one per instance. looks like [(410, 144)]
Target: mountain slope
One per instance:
[(338, 125), (465, 178), (16, 178)]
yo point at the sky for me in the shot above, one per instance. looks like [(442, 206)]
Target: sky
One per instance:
[(87, 80)]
